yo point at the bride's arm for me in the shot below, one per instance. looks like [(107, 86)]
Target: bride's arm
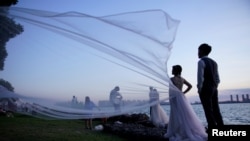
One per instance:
[(189, 86)]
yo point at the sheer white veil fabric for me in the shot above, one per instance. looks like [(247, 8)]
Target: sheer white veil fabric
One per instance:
[(127, 49)]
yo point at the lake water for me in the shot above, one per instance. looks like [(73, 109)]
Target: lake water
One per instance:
[(233, 114)]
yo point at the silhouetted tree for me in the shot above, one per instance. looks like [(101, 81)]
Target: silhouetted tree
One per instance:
[(8, 2), (8, 29), (7, 85)]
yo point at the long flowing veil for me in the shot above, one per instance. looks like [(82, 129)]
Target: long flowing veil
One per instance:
[(60, 55)]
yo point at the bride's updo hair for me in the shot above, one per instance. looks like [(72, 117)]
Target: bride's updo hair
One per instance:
[(177, 69)]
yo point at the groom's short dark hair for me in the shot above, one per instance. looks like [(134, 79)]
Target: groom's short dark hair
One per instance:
[(205, 48)]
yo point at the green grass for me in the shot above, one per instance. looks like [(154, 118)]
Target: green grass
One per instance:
[(26, 128)]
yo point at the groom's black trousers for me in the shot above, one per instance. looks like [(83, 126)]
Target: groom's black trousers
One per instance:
[(209, 101)]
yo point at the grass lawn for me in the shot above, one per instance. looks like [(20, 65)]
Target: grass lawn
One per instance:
[(26, 128)]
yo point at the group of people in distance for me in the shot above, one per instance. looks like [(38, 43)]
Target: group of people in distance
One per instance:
[(115, 99), (183, 123)]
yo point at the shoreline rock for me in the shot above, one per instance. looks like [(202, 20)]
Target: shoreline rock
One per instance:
[(135, 126)]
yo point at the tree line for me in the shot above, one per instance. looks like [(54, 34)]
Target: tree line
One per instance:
[(8, 30)]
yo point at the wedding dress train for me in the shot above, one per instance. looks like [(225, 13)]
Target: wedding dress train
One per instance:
[(184, 125)]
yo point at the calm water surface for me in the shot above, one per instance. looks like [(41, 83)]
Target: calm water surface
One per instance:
[(233, 114)]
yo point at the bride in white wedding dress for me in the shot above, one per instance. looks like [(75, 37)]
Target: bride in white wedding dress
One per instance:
[(184, 125), (157, 114)]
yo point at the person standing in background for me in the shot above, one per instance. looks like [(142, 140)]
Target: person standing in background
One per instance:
[(74, 101), (89, 105), (158, 116), (150, 99), (116, 98)]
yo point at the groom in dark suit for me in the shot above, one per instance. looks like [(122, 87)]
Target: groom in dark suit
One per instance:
[(208, 81)]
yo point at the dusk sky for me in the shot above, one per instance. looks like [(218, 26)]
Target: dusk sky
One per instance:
[(224, 24)]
